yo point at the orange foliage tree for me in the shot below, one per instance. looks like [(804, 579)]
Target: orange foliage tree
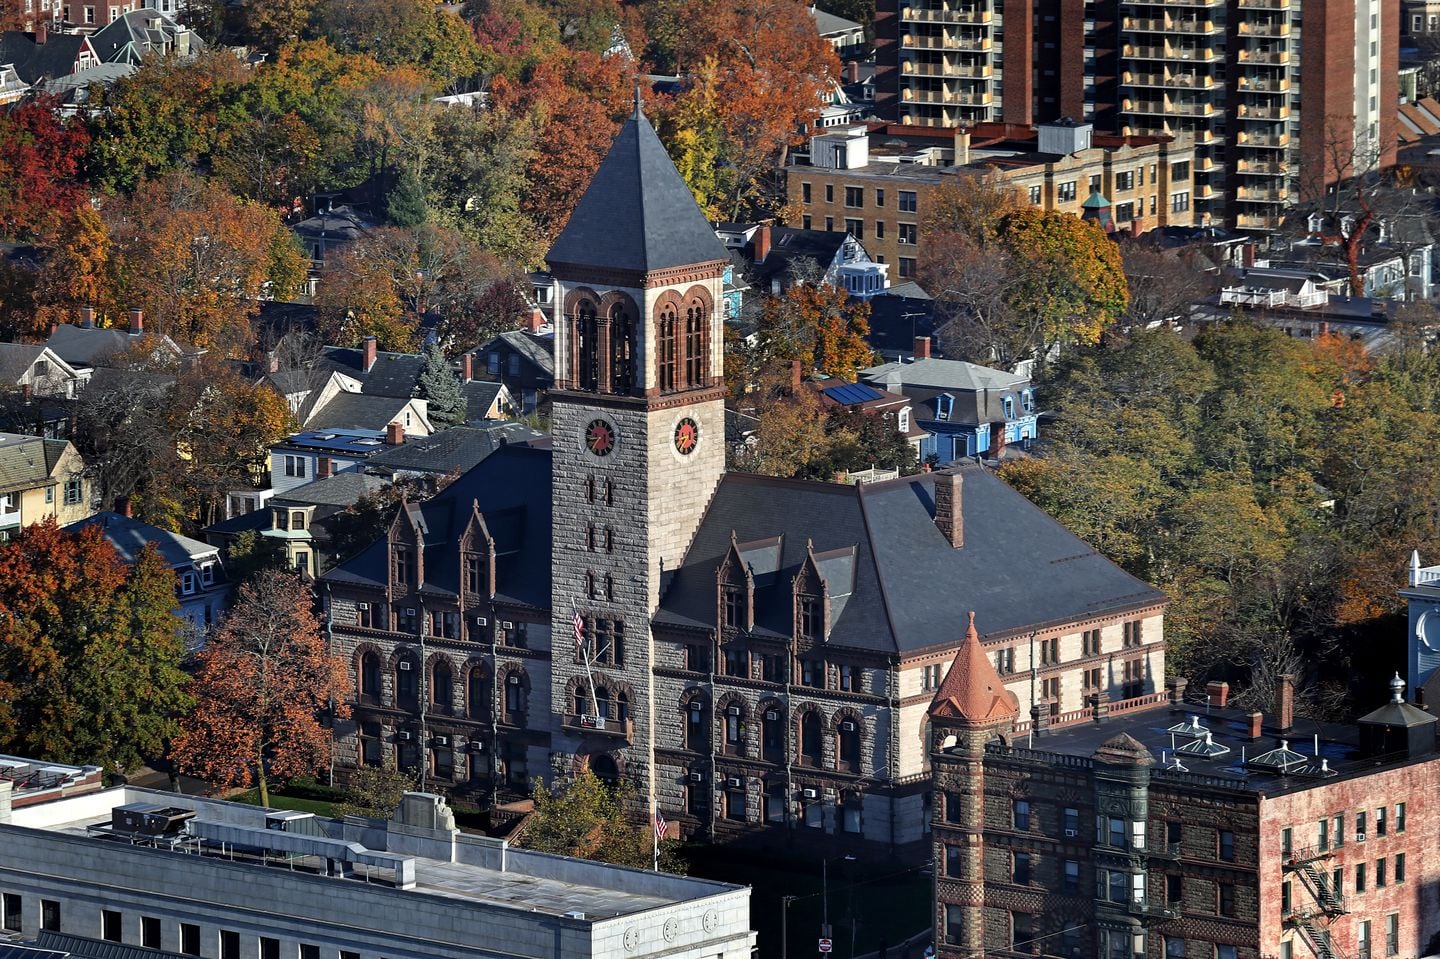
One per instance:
[(264, 681), (40, 158), (817, 324)]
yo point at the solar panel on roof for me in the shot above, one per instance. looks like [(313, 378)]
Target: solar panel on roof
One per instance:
[(852, 393)]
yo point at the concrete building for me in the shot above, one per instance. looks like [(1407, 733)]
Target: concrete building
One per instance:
[(1225, 72), (1185, 830), (755, 653), (217, 880), (876, 181)]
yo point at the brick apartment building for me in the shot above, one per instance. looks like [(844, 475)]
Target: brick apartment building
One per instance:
[(876, 181), (1226, 72), (1183, 831), (756, 654)]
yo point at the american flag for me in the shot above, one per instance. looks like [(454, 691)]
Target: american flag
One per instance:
[(660, 826), (579, 631)]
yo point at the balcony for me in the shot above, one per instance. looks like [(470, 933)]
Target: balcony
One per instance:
[(1178, 81), (927, 69), (1263, 84), (1262, 194), (1260, 168), (1258, 221), (1136, 51), (945, 15), (1267, 141), (1170, 108), (1168, 25), (1264, 28), (1252, 111), (947, 43), (1264, 4), (1264, 56), (945, 97), (582, 725)]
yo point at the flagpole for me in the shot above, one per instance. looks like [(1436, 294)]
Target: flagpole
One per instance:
[(655, 828), (585, 658)]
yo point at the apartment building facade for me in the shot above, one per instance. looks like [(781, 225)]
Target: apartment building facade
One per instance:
[(1226, 73)]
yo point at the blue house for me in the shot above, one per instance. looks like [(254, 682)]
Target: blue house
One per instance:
[(967, 409)]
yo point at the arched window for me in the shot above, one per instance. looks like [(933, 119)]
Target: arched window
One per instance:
[(442, 693), (622, 350), (847, 745), (812, 749), (697, 730), (605, 769), (407, 685), (602, 702), (515, 699), (587, 346), (772, 734), (696, 319), (370, 682), (667, 347), (372, 749), (734, 719), (478, 693)]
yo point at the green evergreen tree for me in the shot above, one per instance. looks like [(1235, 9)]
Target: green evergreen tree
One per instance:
[(441, 387), (405, 201)]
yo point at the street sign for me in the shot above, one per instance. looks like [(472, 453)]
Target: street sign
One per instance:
[(825, 945)]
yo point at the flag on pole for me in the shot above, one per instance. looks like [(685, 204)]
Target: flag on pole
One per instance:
[(660, 826), (579, 631)]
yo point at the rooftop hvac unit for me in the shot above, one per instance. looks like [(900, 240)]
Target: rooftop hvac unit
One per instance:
[(405, 666), (149, 819), (697, 777), (772, 714), (809, 794), (734, 782)]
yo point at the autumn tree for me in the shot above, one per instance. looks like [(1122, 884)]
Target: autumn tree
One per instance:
[(75, 272), (41, 156), (90, 650), (271, 158), (819, 325), (375, 791), (364, 521), (590, 819), (1164, 284), (497, 310), (265, 680)]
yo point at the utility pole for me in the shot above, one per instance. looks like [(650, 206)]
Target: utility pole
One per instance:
[(785, 902)]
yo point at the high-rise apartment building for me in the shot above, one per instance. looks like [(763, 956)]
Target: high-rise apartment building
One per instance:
[(1225, 72)]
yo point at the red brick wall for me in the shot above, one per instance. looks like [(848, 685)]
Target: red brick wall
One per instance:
[(1390, 15), (1071, 72), (1416, 899), (1327, 88), (1019, 61)]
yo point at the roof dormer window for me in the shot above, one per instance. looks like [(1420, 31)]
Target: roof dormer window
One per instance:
[(944, 407)]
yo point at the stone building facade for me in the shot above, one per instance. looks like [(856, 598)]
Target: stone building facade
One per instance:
[(756, 654), (1098, 840)]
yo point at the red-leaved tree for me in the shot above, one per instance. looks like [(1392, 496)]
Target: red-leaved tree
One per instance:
[(40, 160), (265, 680)]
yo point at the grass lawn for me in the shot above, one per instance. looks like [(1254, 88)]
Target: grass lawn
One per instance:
[(277, 801), (873, 902)]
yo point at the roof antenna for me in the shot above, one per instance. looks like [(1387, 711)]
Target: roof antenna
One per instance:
[(639, 114)]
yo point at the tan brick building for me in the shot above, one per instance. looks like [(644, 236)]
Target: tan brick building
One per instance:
[(876, 180)]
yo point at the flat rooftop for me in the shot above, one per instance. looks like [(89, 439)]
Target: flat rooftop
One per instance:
[(483, 871)]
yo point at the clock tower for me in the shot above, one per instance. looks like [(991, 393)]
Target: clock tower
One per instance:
[(638, 442)]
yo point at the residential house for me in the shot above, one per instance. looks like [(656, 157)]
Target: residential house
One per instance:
[(41, 479), (84, 345), (522, 360), (449, 453), (968, 409), (364, 411), (316, 454), (202, 591), (88, 16), (137, 34), (12, 88), (846, 36), (899, 317), (894, 408), (328, 231), (774, 258), (299, 518), (46, 54), (39, 371)]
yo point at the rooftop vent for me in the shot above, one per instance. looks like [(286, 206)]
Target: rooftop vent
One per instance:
[(1283, 760), (1191, 728), (1205, 746)]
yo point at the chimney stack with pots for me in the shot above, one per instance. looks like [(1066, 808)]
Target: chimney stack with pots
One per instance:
[(371, 350), (949, 511), (922, 347), (395, 434), (1285, 721)]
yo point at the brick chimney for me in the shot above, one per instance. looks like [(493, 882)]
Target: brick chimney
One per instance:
[(1178, 685), (535, 320), (272, 362), (124, 507), (1137, 226), (852, 71), (949, 514), (922, 347), (1257, 725), (42, 33), (1218, 693), (325, 467), (1285, 705), (762, 243), (371, 348), (467, 367), (137, 322), (27, 391), (797, 376), (395, 434), (87, 317)]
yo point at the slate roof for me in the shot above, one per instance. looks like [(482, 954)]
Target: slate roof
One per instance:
[(788, 244), (895, 321), (394, 374), (82, 947), (910, 587), (341, 489), (458, 448), (134, 35), (16, 358), (943, 375), (513, 490), (480, 396), (105, 379), (536, 349), (27, 461), (56, 57), (972, 690), (828, 23), (356, 411), (637, 214), (340, 223), (129, 536), (79, 345)]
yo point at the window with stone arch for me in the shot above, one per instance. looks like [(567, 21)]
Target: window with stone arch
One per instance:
[(667, 347), (585, 329), (623, 349), (697, 320), (477, 693)]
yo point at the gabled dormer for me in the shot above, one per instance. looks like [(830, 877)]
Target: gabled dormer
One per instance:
[(811, 596), (735, 585), (407, 550), (477, 559)]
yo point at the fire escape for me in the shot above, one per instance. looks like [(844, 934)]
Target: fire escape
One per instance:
[(1313, 919)]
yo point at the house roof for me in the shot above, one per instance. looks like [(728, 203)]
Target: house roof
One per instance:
[(84, 346), (33, 61), (356, 411), (943, 375), (393, 374), (536, 349), (16, 358), (480, 395), (788, 244), (61, 944), (134, 35), (512, 488), (972, 691), (129, 536), (341, 489), (458, 449), (828, 24), (27, 461), (637, 214), (339, 223)]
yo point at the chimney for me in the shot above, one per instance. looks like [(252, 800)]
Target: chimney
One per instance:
[(53, 327), (272, 362), (1178, 686), (852, 71), (87, 317), (1257, 725), (1285, 721), (137, 322), (124, 508), (762, 243), (395, 434), (962, 146), (27, 392), (535, 320), (370, 348), (325, 468), (1218, 693), (949, 512), (1137, 226), (922, 347), (42, 33), (467, 367)]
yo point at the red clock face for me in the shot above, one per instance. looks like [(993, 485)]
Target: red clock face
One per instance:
[(687, 435), (600, 438)]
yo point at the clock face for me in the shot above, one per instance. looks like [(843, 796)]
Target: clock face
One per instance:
[(600, 438), (687, 436)]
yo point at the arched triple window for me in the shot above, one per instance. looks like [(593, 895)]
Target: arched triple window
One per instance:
[(623, 350), (587, 346), (667, 349), (370, 681), (697, 319)]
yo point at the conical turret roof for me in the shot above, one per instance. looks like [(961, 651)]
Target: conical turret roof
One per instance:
[(637, 214), (972, 691)]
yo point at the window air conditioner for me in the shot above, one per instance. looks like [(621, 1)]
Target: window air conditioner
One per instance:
[(475, 746), (1359, 837), (442, 741), (772, 714), (697, 777), (404, 736), (481, 621), (409, 610), (1071, 833), (513, 679), (809, 794), (734, 782), (507, 625), (405, 666), (732, 710), (363, 605), (847, 727)]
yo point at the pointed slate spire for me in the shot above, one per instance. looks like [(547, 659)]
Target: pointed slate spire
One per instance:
[(972, 691), (637, 215)]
